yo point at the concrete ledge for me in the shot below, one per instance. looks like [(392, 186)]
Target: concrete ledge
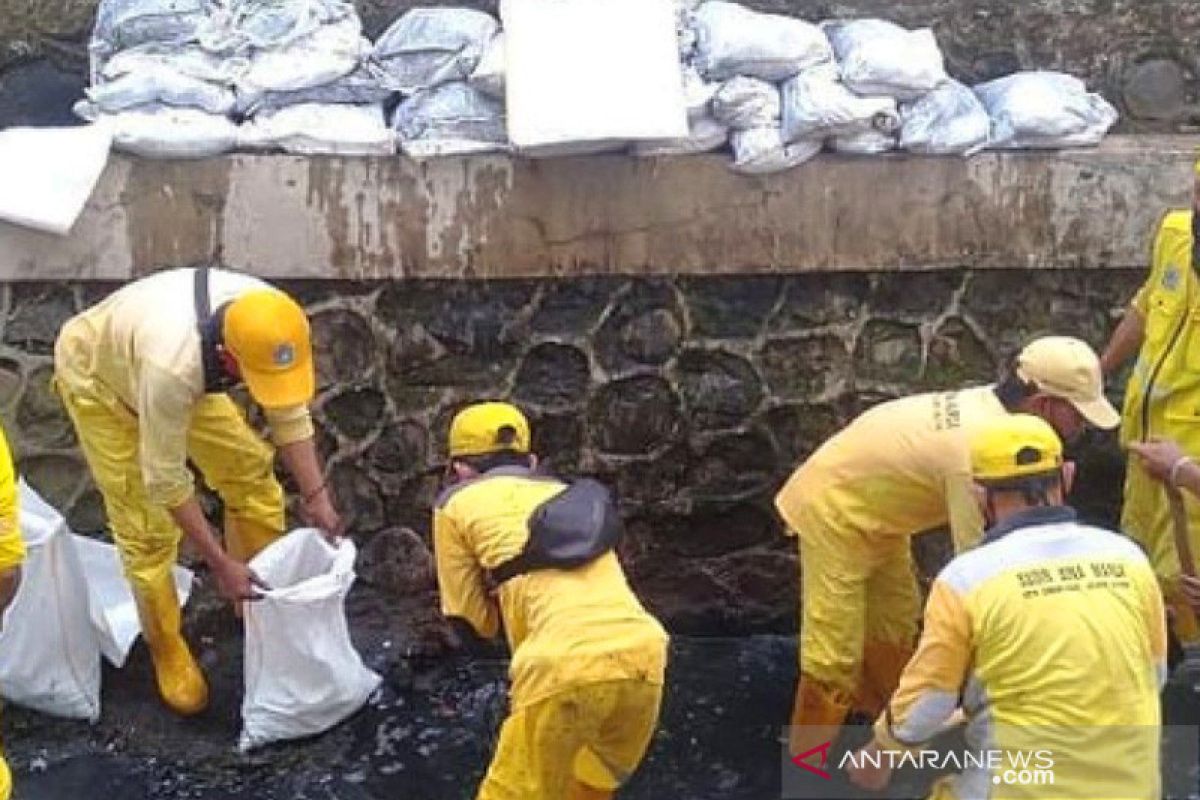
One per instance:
[(331, 218)]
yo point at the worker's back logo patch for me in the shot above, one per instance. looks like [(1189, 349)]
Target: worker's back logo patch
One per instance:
[(284, 355)]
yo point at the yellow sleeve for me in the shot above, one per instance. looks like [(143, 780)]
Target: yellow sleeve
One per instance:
[(1156, 621), (289, 425), (930, 685), (165, 405), (12, 547), (966, 521), (460, 578)]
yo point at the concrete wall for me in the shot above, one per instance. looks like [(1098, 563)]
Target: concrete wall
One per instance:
[(365, 219)]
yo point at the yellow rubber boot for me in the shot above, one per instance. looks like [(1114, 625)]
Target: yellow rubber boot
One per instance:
[(581, 791), (817, 716), (882, 664), (245, 538), (181, 683)]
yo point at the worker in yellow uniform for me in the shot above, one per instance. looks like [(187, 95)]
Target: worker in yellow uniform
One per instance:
[(144, 376), (1050, 637), (897, 470), (1162, 397), (12, 555), (1165, 461), (587, 660)]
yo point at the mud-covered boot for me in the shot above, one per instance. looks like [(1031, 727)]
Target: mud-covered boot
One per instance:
[(181, 683), (817, 715)]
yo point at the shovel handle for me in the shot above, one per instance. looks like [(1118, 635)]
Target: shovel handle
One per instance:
[(1179, 524)]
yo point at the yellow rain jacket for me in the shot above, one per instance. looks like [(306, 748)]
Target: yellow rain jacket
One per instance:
[(586, 655), (1052, 633), (899, 469), (12, 554), (1162, 398)]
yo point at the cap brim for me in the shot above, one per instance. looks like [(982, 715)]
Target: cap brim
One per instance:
[(292, 387), (1099, 412)]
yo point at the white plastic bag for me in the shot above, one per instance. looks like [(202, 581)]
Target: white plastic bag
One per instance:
[(1044, 109), (303, 675), (165, 132), (315, 129), (360, 88), (488, 76), (329, 53), (583, 75), (429, 46), (817, 104), (732, 40), (761, 150), (121, 24), (745, 103), (280, 23), (877, 57), (163, 86), (49, 174), (450, 119), (190, 60), (948, 120), (705, 134)]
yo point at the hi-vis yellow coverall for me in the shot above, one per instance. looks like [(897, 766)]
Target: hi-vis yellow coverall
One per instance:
[(588, 661), (1162, 400), (12, 554), (899, 469), (1052, 634), (129, 371)]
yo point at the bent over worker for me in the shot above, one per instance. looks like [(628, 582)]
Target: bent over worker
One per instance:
[(588, 661), (143, 375), (12, 555), (1052, 634), (900, 469), (1162, 397)]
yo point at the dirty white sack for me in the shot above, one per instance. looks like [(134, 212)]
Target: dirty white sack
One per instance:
[(429, 46), (867, 143), (303, 675), (732, 40), (705, 134), (488, 76), (817, 104), (1044, 109), (745, 103), (164, 132), (761, 150), (950, 120), (161, 85), (317, 129), (450, 119), (877, 57)]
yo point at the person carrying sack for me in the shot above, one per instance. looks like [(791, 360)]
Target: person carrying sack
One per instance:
[(144, 376), (516, 547)]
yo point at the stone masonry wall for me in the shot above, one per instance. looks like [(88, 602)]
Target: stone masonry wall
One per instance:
[(1139, 53), (693, 397)]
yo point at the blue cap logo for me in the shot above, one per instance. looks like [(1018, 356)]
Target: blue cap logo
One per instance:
[(284, 355)]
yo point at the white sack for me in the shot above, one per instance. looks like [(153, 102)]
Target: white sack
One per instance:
[(816, 104), (732, 40), (868, 143), (163, 86), (450, 119), (49, 173), (761, 150), (582, 74), (1044, 109), (745, 103), (488, 76), (705, 134), (429, 46), (303, 675), (190, 60), (948, 120), (331, 52), (697, 93), (165, 132), (280, 23), (877, 57), (314, 129), (121, 24), (360, 88)]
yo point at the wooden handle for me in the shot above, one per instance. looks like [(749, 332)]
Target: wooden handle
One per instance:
[(1179, 521)]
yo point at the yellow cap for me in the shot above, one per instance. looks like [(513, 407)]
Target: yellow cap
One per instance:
[(267, 332), (476, 430), (1066, 367), (1014, 446)]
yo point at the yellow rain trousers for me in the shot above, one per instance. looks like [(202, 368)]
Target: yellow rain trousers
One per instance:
[(12, 554), (1162, 400), (899, 469)]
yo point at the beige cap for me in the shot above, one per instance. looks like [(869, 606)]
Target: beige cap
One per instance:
[(1065, 367)]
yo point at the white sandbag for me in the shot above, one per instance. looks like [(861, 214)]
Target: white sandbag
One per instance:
[(705, 135), (816, 104), (280, 23), (1044, 109), (488, 76), (877, 57), (49, 651), (121, 24), (49, 173), (732, 40), (762, 150), (567, 90), (867, 143), (948, 120), (745, 103), (315, 129), (450, 119), (331, 52), (360, 88), (430, 46), (697, 93), (162, 86), (111, 606), (190, 60), (303, 675), (165, 132)]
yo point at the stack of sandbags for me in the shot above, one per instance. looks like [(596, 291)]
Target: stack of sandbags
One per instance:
[(1041, 109)]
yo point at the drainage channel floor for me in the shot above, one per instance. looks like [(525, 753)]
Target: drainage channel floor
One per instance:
[(426, 735)]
